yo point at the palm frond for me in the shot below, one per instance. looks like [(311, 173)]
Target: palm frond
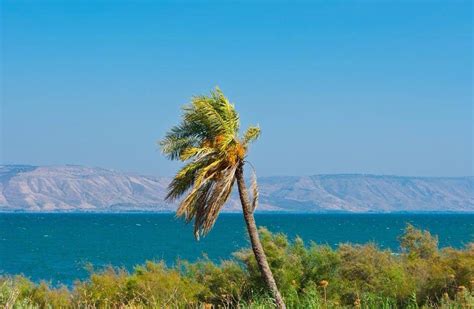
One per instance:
[(254, 190), (207, 172), (203, 111), (173, 146), (183, 181), (191, 205), (220, 191), (251, 135), (227, 110), (192, 152)]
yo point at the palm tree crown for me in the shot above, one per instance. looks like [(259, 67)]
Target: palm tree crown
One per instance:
[(207, 139)]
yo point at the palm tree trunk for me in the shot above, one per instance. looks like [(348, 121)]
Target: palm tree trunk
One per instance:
[(255, 239)]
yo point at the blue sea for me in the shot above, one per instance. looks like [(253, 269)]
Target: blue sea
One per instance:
[(57, 247)]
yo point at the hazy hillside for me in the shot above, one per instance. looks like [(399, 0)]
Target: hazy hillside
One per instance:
[(76, 188)]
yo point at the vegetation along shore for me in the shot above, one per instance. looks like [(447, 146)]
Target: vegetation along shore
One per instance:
[(421, 275)]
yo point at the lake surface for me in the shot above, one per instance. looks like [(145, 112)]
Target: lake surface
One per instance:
[(56, 247)]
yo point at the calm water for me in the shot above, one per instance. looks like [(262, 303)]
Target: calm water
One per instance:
[(56, 247)]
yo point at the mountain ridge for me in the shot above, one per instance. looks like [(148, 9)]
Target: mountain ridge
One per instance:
[(75, 188)]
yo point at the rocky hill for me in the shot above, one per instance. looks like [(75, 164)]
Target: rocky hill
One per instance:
[(77, 188)]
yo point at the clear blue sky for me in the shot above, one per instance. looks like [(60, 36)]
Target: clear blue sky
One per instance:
[(380, 87)]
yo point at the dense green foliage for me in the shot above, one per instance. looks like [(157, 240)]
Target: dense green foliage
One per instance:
[(309, 276)]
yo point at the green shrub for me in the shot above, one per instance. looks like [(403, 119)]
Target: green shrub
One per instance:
[(223, 285)]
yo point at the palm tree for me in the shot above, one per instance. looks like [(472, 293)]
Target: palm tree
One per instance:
[(207, 141)]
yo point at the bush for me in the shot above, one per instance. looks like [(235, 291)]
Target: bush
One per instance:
[(151, 285), (222, 284)]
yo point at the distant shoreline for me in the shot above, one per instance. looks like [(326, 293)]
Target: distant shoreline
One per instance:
[(239, 213), (68, 188)]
